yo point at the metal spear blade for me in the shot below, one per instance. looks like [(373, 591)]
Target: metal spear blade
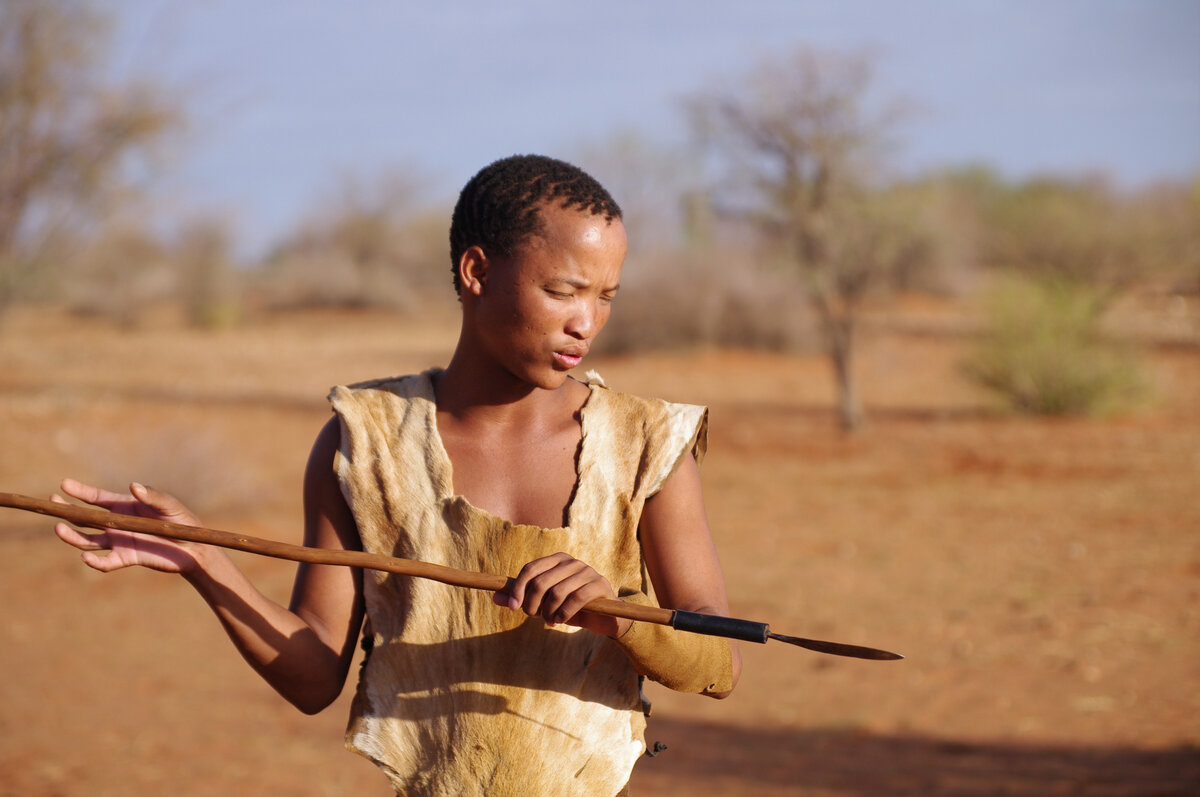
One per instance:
[(837, 648)]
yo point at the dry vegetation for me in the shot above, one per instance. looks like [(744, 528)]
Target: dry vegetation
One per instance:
[(1041, 575)]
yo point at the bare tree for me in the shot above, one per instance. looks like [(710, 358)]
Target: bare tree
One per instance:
[(68, 141), (801, 149)]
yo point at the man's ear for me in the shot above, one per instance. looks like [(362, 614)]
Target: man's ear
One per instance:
[(473, 268)]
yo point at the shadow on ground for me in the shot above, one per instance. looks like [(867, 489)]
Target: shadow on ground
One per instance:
[(707, 759)]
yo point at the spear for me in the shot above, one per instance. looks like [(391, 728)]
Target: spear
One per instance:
[(696, 622)]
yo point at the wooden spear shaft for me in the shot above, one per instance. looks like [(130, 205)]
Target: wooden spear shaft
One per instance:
[(96, 518), (730, 627)]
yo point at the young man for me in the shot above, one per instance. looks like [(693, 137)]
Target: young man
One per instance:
[(501, 463)]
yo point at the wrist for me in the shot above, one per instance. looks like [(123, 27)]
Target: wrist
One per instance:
[(623, 626), (202, 563)]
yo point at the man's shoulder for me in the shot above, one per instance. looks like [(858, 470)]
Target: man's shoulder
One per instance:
[(647, 435), (405, 386), (646, 411)]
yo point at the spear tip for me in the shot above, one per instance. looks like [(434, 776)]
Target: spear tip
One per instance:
[(838, 648)]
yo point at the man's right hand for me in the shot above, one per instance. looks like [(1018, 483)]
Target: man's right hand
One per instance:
[(127, 548)]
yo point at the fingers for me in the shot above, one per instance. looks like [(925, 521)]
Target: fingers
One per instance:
[(114, 549), (77, 539), (105, 563), (555, 588), (140, 500), (111, 549), (122, 503), (517, 593), (91, 494), (89, 544), (153, 498), (155, 503)]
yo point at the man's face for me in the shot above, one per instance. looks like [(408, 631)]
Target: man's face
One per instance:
[(542, 307)]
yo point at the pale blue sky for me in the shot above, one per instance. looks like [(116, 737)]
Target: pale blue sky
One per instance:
[(285, 96)]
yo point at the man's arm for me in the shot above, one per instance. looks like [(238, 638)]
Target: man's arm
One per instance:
[(686, 573), (303, 651)]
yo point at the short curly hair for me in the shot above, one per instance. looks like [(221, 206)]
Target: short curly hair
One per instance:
[(498, 208)]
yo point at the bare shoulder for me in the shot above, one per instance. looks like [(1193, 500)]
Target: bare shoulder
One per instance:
[(329, 520), (328, 439)]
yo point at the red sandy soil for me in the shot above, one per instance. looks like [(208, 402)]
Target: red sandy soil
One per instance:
[(1042, 576)]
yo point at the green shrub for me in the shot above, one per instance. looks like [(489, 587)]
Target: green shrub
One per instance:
[(1043, 352)]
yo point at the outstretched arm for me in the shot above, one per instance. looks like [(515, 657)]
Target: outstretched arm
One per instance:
[(304, 650)]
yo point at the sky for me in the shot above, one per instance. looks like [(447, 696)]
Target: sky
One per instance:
[(286, 98)]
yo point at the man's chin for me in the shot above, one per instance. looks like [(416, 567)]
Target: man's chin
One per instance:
[(551, 380), (540, 378)]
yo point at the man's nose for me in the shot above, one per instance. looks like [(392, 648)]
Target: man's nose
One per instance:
[(582, 322)]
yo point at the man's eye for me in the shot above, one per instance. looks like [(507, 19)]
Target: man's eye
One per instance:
[(557, 294)]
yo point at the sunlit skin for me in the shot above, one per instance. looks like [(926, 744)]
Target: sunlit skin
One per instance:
[(505, 406)]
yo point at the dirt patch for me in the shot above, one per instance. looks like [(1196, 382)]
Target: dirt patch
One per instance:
[(1041, 576)]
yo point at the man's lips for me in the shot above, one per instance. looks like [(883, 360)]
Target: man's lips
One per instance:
[(570, 357)]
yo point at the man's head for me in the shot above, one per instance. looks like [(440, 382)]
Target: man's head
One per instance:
[(499, 208)]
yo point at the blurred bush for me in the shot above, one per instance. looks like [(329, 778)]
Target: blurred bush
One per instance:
[(1083, 229), (1043, 351), (209, 285), (711, 297), (130, 275), (371, 243), (119, 274)]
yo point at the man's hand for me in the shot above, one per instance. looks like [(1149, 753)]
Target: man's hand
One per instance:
[(556, 588), (127, 548)]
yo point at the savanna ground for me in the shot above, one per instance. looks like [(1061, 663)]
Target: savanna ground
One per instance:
[(1041, 576)]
